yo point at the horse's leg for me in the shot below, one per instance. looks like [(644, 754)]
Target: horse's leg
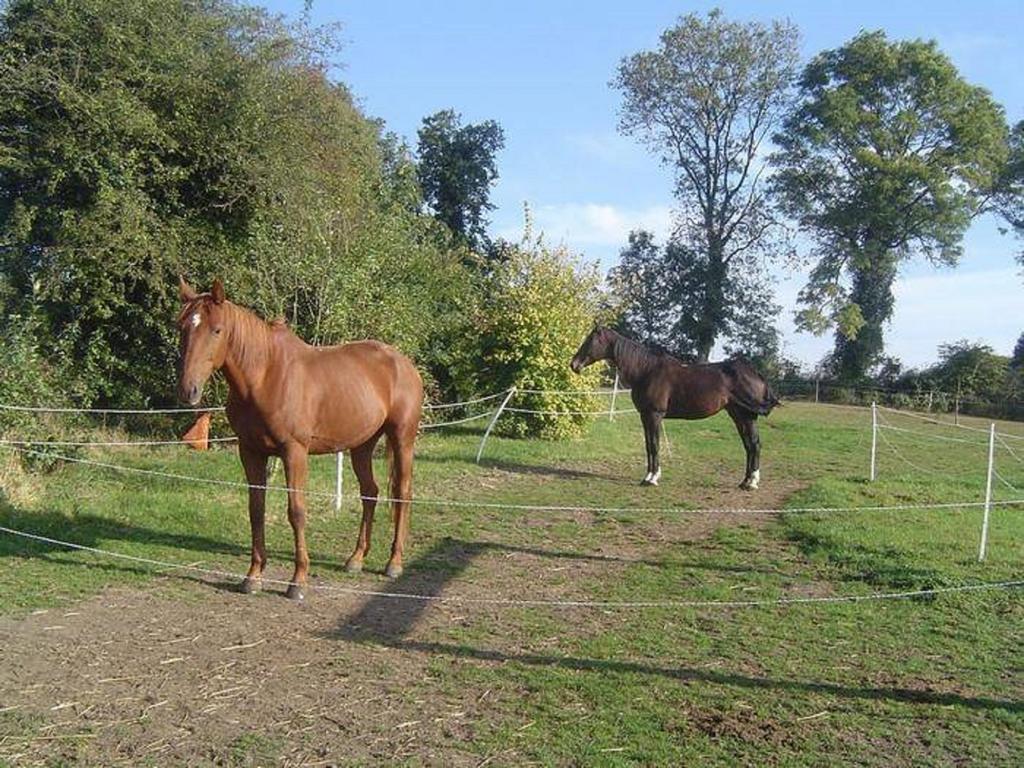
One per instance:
[(747, 429), (255, 466), (402, 444), (647, 445), (296, 470), (753, 454), (362, 464), (652, 434)]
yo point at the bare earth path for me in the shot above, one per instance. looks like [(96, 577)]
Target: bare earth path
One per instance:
[(190, 672)]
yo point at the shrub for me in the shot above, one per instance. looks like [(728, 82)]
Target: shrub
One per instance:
[(30, 377), (539, 305)]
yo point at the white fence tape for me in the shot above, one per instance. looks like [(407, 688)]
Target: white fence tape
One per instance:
[(114, 443), (522, 507), (531, 602), (933, 420)]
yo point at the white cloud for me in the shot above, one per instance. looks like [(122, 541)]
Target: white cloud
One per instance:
[(583, 225)]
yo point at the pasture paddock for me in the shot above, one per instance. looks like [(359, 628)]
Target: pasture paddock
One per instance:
[(109, 662)]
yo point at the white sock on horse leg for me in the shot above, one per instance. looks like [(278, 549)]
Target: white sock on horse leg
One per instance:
[(655, 476)]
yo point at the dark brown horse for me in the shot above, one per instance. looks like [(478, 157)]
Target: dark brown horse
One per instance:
[(663, 387), (290, 399)]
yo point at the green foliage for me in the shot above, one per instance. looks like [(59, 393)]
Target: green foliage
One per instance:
[(889, 153), (539, 305), (1017, 360), (658, 292), (972, 370), (1008, 200), (456, 170), (30, 375), (143, 138), (704, 101)]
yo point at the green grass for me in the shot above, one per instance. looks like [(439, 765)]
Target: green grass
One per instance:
[(912, 682)]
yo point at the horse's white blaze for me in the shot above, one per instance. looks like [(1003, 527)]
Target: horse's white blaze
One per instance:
[(196, 319)]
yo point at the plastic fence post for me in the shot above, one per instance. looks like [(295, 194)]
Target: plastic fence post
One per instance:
[(874, 437), (988, 491), (615, 393), (340, 463), (487, 432)]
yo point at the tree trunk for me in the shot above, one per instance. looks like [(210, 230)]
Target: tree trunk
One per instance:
[(872, 292), (712, 312)]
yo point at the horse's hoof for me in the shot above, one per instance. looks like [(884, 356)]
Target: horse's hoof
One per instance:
[(354, 566), (248, 586), (295, 593), (393, 571)]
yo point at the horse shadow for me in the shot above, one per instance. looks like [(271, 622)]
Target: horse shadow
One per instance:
[(390, 621), (562, 472)]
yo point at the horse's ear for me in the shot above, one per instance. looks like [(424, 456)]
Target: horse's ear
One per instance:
[(217, 292), (185, 291)]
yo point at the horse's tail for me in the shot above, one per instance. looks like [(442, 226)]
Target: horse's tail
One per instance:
[(745, 383)]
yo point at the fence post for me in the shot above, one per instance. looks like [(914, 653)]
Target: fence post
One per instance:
[(988, 491), (339, 464), (615, 393), (817, 383), (874, 437), (487, 432)]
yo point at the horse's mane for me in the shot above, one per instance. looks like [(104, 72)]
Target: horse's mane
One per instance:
[(633, 358), (249, 335)]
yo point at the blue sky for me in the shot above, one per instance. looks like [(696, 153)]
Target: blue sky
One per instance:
[(541, 69)]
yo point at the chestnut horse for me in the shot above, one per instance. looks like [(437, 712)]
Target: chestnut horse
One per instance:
[(289, 399), (663, 387)]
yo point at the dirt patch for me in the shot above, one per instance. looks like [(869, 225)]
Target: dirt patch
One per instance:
[(135, 677), (743, 724)]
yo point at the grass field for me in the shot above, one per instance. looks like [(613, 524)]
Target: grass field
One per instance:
[(108, 662)]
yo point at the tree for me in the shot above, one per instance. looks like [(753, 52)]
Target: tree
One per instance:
[(656, 291), (889, 153), (1008, 197), (456, 170), (704, 101), (1017, 359), (143, 138), (642, 298), (972, 370)]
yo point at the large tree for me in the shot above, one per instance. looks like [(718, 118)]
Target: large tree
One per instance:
[(457, 167), (658, 291), (889, 153), (705, 101)]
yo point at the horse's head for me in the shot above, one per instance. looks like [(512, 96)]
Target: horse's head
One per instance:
[(597, 346), (204, 342)]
